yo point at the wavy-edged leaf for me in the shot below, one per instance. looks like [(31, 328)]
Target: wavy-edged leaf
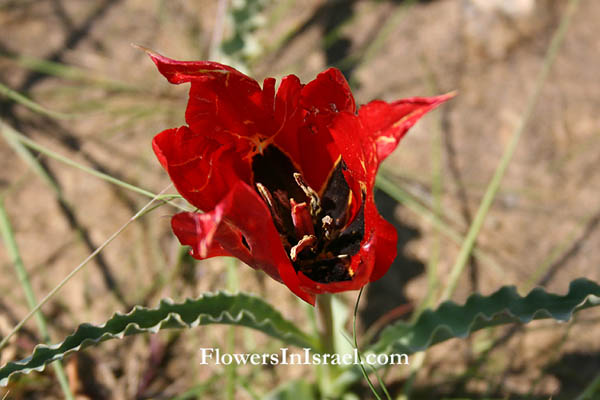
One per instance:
[(220, 308), (451, 320)]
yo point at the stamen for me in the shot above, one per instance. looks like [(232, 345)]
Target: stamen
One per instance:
[(315, 227), (315, 202), (301, 219), (266, 195), (308, 241), (327, 223)]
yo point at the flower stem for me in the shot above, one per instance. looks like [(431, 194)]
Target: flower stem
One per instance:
[(231, 370), (362, 368), (327, 345), (325, 323)]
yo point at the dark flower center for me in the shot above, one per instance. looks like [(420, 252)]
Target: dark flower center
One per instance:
[(313, 227)]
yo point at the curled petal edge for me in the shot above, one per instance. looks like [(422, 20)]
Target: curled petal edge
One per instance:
[(240, 226), (387, 123)]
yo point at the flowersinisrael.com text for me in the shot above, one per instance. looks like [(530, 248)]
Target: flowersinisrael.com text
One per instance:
[(284, 357)]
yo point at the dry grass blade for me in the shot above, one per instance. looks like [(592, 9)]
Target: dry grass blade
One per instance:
[(32, 105), (16, 137), (11, 245), (77, 269), (494, 185)]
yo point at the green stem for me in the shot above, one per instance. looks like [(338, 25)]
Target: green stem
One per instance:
[(327, 344), (230, 370), (325, 323), (362, 367), (591, 391)]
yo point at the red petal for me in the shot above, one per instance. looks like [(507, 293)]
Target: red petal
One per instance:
[(329, 91), (231, 117), (356, 147), (301, 219), (268, 95), (224, 104), (187, 71), (199, 232), (387, 123), (295, 136), (378, 248), (287, 115), (241, 213), (323, 97), (385, 246), (228, 109), (307, 112), (201, 169)]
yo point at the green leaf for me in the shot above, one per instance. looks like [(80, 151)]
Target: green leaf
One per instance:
[(505, 306), (451, 320), (220, 308)]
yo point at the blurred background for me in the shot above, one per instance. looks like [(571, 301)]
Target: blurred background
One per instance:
[(72, 82)]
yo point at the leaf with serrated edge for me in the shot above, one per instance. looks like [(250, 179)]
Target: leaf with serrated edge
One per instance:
[(220, 308), (451, 320)]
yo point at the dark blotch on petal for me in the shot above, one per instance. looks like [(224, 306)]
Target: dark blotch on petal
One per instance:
[(334, 200), (320, 240), (275, 171), (330, 270), (349, 239)]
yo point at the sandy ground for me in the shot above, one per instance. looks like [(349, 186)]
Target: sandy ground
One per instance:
[(542, 228)]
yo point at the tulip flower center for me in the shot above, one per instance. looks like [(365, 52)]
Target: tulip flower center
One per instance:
[(314, 227)]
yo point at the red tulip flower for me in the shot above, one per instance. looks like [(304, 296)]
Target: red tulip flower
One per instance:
[(284, 177)]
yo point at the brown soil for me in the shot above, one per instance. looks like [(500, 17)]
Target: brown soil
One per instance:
[(545, 217)]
